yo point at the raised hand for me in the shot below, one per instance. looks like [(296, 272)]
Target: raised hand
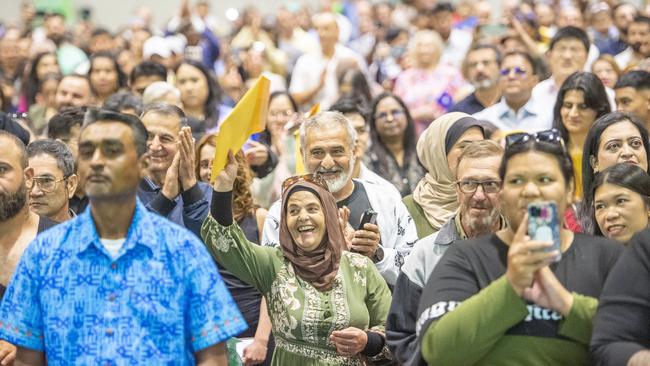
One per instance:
[(187, 164), (171, 187), (257, 154), (348, 231), (226, 177), (525, 257), (366, 240)]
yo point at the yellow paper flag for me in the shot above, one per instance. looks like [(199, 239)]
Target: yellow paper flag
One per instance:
[(247, 118), (300, 166)]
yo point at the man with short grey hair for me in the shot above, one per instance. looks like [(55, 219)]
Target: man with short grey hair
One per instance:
[(328, 148), (478, 186), (54, 182)]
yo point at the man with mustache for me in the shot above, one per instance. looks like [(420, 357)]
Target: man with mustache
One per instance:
[(18, 224), (481, 68), (170, 187), (478, 188), (55, 180), (328, 143), (638, 39)]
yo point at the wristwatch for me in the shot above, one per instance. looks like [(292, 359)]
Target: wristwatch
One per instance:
[(378, 256)]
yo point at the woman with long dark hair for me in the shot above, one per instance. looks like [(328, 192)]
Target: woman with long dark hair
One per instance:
[(105, 75), (44, 64), (201, 96), (392, 153), (581, 100)]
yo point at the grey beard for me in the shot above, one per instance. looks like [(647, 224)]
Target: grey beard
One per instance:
[(483, 226), (483, 84), (337, 184), (12, 203)]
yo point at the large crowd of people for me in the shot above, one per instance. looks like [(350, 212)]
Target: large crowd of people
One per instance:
[(385, 215)]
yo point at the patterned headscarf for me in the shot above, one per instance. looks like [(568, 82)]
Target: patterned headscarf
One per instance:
[(319, 266)]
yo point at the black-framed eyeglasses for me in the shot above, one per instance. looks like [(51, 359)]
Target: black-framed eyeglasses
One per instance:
[(45, 184), (519, 71), (552, 136), (470, 186)]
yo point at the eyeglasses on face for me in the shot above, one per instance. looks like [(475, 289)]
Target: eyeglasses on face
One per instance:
[(310, 178), (470, 186), (519, 71), (45, 184), (552, 136)]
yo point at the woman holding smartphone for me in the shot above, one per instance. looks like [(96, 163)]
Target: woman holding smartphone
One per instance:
[(502, 296)]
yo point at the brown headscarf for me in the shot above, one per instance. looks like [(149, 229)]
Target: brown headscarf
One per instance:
[(435, 193), (319, 266)]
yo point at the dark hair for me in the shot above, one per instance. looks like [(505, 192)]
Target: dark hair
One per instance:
[(148, 68), (636, 79), (103, 115), (593, 141), (351, 104), (4, 99), (32, 83), (265, 136), (211, 107), (642, 19), (554, 149), (525, 55), (22, 154), (443, 7), (124, 100), (165, 109), (100, 32), (60, 124), (121, 76), (486, 46), (628, 176), (595, 97), (360, 87), (570, 32), (56, 149), (409, 134)]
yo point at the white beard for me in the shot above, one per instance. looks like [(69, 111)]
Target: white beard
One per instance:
[(338, 183)]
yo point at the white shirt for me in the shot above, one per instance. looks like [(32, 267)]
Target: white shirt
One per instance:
[(306, 74), (456, 48), (396, 227), (545, 93), (532, 117), (624, 58), (113, 246)]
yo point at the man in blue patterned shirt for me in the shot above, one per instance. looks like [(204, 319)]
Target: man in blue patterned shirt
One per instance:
[(117, 285)]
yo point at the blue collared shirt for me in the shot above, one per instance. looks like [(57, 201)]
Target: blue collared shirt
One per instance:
[(532, 117), (157, 303)]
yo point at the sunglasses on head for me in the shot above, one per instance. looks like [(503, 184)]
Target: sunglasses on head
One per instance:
[(310, 178), (551, 136)]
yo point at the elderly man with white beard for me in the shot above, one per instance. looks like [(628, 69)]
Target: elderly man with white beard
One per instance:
[(478, 186), (328, 150)]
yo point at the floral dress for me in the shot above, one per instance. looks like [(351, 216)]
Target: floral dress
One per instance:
[(303, 318)]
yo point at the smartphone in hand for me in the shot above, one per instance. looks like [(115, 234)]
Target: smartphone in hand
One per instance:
[(368, 217), (544, 225)]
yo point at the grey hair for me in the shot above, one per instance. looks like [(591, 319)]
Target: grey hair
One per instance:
[(165, 109), (157, 91), (326, 120), (56, 149)]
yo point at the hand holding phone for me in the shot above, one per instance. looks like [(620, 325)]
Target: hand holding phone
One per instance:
[(368, 217)]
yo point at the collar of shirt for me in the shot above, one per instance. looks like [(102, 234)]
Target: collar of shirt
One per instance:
[(140, 231), (147, 185), (528, 110)]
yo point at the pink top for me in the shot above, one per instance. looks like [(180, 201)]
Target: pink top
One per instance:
[(429, 88)]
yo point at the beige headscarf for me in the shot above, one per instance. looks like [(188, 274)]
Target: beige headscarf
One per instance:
[(435, 192)]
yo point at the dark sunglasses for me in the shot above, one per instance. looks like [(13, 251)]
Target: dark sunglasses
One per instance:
[(551, 136), (310, 178)]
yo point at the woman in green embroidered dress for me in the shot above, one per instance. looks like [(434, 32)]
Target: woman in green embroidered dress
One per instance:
[(328, 306)]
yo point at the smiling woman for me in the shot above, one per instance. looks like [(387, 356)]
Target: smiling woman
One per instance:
[(327, 305), (621, 202)]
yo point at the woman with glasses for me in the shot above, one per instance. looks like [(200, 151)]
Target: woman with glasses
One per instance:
[(581, 100), (392, 153), (429, 87), (621, 202), (506, 299), (250, 218), (434, 198), (327, 305), (615, 138)]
